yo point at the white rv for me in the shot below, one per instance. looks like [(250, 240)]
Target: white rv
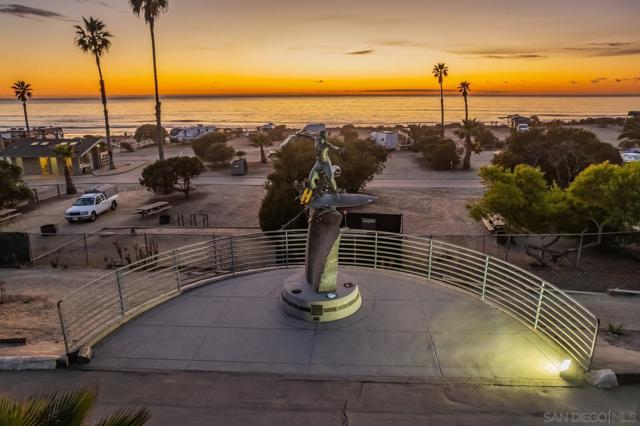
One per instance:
[(387, 139), (187, 134)]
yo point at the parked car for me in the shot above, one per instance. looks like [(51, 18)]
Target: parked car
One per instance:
[(629, 157), (93, 202), (522, 128)]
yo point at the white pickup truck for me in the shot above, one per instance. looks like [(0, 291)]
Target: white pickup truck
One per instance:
[(92, 203)]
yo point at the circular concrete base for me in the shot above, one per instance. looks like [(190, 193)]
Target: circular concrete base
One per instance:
[(299, 300)]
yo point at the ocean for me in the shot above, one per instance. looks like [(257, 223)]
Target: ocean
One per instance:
[(84, 116)]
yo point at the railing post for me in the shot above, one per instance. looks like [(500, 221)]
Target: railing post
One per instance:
[(506, 254), (176, 267), (484, 278), (579, 250), (120, 292), (64, 330), (86, 249), (233, 258), (430, 257), (535, 323), (286, 247), (375, 251)]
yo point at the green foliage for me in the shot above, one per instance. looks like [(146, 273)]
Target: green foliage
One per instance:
[(148, 132), (440, 154), (204, 142), (359, 161), (261, 140), (349, 133), (616, 329), (176, 173), (630, 136), (14, 191), (219, 153), (240, 154), (560, 152), (422, 135), (278, 133), (74, 408), (602, 196)]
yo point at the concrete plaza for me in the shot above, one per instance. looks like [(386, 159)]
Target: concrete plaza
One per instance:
[(407, 327)]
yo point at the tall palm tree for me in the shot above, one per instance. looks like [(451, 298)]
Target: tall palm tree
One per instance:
[(64, 153), (261, 140), (94, 39), (151, 9), (23, 92), (441, 71), (71, 408), (464, 88)]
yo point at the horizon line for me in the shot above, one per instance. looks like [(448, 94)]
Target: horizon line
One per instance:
[(363, 93)]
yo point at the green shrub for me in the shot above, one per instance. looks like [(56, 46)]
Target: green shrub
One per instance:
[(441, 154), (219, 153), (176, 173), (201, 145), (148, 132)]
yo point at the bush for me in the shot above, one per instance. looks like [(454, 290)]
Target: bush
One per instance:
[(359, 161), (126, 146), (561, 153), (204, 142), (176, 173), (219, 153), (148, 132), (441, 154), (14, 191)]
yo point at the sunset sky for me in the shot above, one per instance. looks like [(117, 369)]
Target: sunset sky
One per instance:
[(329, 46)]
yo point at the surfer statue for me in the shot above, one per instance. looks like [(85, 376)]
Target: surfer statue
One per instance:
[(321, 293)]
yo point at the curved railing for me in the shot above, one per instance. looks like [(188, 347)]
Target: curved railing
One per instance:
[(96, 309)]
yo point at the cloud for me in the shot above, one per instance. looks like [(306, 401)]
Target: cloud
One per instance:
[(611, 44), (516, 56), (98, 2), (574, 82), (22, 11), (598, 80), (611, 48), (360, 52), (501, 53), (319, 81), (403, 43)]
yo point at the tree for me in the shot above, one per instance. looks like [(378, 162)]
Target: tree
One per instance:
[(219, 153), (278, 133), (96, 40), (148, 131), (441, 71), (158, 177), (240, 154), (186, 169), (602, 197), (469, 128), (630, 135), (65, 153), (202, 144), (441, 154), (151, 9), (421, 134), (23, 91), (14, 191), (464, 88), (561, 153), (358, 161), (261, 140), (70, 408)]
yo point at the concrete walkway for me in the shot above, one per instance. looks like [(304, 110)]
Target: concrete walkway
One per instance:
[(405, 328)]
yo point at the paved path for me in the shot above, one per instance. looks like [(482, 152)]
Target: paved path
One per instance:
[(405, 328), (201, 398)]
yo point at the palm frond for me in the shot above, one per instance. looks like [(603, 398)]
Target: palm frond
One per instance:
[(16, 413), (127, 418), (151, 9), (70, 409), (93, 38)]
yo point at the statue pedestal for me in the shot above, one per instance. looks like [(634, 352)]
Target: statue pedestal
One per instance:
[(299, 300)]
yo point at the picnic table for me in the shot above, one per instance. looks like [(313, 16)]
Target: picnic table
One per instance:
[(494, 223), (153, 208), (8, 214)]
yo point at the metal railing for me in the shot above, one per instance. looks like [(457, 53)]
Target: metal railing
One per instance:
[(96, 309)]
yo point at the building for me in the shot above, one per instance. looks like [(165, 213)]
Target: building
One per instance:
[(37, 156), (41, 132)]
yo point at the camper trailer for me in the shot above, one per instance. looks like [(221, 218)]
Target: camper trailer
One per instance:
[(187, 134), (387, 139)]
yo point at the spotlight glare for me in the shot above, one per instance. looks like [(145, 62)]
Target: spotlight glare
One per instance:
[(564, 365)]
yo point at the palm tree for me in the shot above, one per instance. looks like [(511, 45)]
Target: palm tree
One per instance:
[(71, 408), (151, 10), (464, 88), (630, 135), (64, 153), (240, 154), (95, 40), (23, 92), (469, 128), (441, 71), (261, 140)]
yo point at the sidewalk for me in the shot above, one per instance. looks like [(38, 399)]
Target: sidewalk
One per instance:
[(121, 167)]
